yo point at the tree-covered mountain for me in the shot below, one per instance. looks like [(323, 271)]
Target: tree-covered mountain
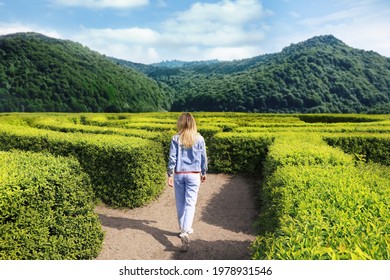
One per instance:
[(38, 73), (321, 74)]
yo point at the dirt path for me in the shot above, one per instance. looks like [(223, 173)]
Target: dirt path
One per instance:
[(222, 226)]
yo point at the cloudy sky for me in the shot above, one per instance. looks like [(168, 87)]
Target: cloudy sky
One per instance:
[(150, 31)]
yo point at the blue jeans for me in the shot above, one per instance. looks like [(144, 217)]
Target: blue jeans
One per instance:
[(186, 194)]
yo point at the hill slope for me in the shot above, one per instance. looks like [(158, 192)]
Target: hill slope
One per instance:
[(38, 73), (321, 74)]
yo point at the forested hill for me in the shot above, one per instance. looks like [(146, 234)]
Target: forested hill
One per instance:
[(321, 74), (38, 73)]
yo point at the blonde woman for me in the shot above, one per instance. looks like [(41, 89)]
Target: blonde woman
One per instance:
[(187, 168)]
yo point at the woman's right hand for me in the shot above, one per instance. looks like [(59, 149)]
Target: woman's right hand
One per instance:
[(170, 181)]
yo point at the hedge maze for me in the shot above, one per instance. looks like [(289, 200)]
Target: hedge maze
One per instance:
[(324, 180)]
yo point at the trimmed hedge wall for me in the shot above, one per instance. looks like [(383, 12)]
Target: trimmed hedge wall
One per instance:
[(337, 118), (238, 152), (46, 209), (330, 212), (301, 149), (318, 204), (367, 147), (124, 171), (63, 125)]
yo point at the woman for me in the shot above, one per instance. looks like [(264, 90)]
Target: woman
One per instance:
[(187, 168)]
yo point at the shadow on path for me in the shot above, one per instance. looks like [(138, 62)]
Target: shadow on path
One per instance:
[(143, 225), (234, 207), (215, 250)]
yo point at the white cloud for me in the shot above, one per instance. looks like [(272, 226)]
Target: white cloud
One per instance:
[(8, 28), (222, 53), (295, 14), (227, 36), (226, 23), (161, 4), (101, 4), (360, 24), (134, 44), (144, 36), (360, 27), (370, 33), (134, 53), (226, 11), (339, 16), (225, 30)]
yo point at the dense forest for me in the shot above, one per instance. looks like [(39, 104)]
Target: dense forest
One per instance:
[(38, 73), (321, 74)]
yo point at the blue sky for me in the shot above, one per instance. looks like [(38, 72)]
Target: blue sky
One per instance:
[(148, 31)]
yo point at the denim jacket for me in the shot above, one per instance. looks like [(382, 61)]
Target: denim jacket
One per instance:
[(191, 159)]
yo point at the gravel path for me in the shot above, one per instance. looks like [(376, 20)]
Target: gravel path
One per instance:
[(223, 221)]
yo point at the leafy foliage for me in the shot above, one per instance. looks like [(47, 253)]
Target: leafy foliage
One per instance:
[(317, 204), (326, 212), (367, 147), (41, 74), (320, 75), (46, 209), (238, 152)]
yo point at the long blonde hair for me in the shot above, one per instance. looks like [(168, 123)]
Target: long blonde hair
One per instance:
[(186, 127)]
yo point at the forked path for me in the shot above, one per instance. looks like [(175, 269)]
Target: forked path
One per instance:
[(223, 225)]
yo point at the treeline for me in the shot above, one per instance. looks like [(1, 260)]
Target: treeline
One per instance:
[(320, 75), (38, 73)]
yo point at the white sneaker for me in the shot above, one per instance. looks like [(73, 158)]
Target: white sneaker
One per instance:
[(191, 231), (185, 241)]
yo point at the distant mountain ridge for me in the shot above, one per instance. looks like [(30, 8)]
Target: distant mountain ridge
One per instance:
[(179, 63), (319, 75)]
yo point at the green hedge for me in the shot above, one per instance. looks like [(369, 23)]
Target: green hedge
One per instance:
[(337, 118), (367, 147), (46, 209), (302, 149), (63, 125), (317, 204), (125, 171), (327, 212), (208, 131), (238, 152), (60, 125)]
